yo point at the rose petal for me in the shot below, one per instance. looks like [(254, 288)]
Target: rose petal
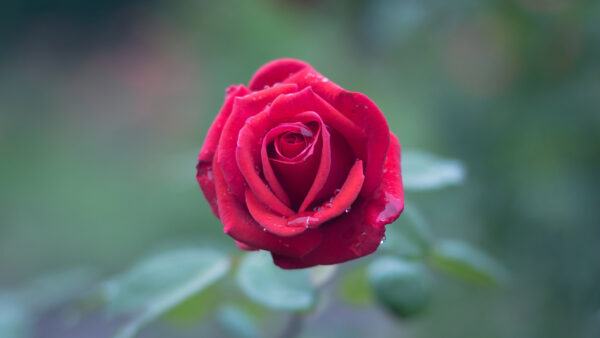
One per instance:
[(268, 172), (245, 246), (274, 72), (342, 202), (365, 113), (361, 111), (204, 169), (247, 155), (388, 199), (298, 177), (309, 77), (240, 225), (284, 226), (344, 238), (358, 233), (342, 159), (285, 107), (274, 223), (243, 108)]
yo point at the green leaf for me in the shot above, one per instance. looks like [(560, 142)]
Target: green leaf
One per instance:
[(354, 287), (402, 287), (159, 283), (14, 319), (195, 307), (237, 321), (425, 171), (466, 262), (264, 282)]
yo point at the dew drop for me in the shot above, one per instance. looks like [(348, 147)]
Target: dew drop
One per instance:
[(299, 221), (264, 229), (337, 191), (347, 211), (382, 240), (366, 107)]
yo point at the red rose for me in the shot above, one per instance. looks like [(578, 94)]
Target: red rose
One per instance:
[(296, 165)]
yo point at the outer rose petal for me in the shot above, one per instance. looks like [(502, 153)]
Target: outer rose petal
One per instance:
[(360, 232), (344, 238), (274, 72), (245, 246), (388, 199), (205, 158), (365, 113), (241, 226)]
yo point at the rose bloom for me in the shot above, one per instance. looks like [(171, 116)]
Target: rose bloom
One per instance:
[(296, 165)]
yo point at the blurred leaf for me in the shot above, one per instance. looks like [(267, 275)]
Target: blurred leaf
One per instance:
[(321, 274), (14, 319), (237, 321), (159, 283), (425, 171), (354, 287), (410, 236), (273, 287), (402, 287), (464, 261), (51, 289), (195, 307)]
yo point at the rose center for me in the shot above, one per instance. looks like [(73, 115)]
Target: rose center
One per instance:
[(291, 144)]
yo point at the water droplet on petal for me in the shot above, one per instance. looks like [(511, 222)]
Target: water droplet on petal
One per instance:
[(366, 107), (337, 191), (299, 221), (347, 210), (264, 229), (383, 240)]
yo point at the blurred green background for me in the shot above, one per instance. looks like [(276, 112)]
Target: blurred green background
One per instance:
[(105, 104)]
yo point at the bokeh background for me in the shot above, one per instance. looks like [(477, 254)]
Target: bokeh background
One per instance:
[(105, 104)]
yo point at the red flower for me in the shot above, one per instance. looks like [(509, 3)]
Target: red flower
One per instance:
[(296, 165)]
